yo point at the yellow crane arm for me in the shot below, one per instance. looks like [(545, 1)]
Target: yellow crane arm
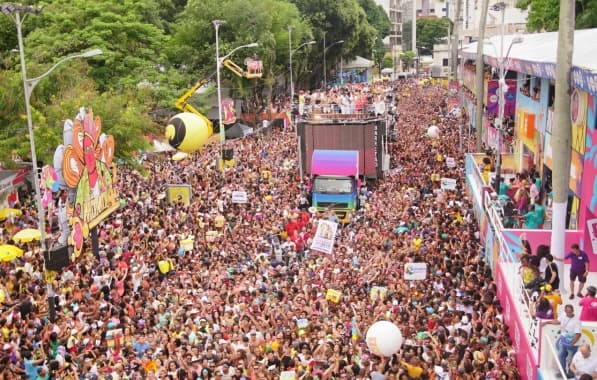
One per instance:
[(183, 104), (254, 70)]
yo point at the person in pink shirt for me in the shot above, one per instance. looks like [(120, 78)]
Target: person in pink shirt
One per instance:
[(589, 305)]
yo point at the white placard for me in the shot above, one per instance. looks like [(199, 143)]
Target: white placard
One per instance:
[(448, 183), (415, 271), (450, 162), (325, 236), (239, 197), (592, 227)]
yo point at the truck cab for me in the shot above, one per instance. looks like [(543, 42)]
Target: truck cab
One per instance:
[(335, 181)]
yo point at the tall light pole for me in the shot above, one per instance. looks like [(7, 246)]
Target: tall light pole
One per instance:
[(291, 53), (325, 78), (461, 90), (502, 88), (458, 21), (479, 78), (219, 60), (325, 49), (19, 13), (413, 36), (290, 27)]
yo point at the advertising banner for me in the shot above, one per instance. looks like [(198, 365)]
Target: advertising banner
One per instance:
[(578, 117), (492, 99), (576, 169), (525, 126), (589, 184), (229, 111), (592, 230), (469, 77), (493, 136)]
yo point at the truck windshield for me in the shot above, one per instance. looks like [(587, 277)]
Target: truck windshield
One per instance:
[(342, 185)]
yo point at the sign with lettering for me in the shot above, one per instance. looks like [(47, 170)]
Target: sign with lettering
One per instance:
[(325, 236), (415, 271), (179, 194), (448, 183), (239, 197)]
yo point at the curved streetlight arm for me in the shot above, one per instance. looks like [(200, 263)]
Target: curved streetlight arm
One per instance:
[(335, 43), (254, 44), (31, 83), (303, 45)]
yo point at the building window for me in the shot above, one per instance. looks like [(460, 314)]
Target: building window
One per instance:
[(445, 62)]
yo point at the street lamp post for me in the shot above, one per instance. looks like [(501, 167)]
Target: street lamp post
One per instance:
[(19, 13), (461, 90), (291, 51), (290, 27), (219, 60), (502, 87), (325, 76)]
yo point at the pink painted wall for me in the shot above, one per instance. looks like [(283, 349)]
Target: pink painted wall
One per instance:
[(527, 364)]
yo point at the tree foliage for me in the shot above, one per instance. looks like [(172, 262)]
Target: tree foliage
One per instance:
[(153, 50), (408, 58), (544, 14), (377, 17), (338, 20), (387, 62), (430, 31)]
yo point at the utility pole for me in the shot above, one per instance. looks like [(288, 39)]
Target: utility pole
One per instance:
[(456, 36), (479, 77), (414, 33), (561, 134)]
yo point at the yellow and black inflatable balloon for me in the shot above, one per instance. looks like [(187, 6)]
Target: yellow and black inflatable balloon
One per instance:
[(187, 132)]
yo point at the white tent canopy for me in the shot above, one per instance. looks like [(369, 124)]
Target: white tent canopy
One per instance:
[(357, 63), (542, 47)]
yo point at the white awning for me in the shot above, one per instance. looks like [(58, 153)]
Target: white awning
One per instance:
[(536, 55)]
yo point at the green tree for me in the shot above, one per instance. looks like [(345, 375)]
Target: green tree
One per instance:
[(407, 58), (339, 20), (544, 14), (430, 31), (132, 44), (387, 62), (264, 22), (376, 17)]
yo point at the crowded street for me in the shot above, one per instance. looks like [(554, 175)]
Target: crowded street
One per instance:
[(249, 298)]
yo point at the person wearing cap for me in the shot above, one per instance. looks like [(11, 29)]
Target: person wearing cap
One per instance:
[(554, 297), (588, 305)]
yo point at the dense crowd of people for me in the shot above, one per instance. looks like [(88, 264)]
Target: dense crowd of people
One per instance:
[(248, 300)]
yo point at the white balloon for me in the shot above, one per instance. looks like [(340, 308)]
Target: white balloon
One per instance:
[(384, 338), (67, 132), (58, 158), (433, 132)]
